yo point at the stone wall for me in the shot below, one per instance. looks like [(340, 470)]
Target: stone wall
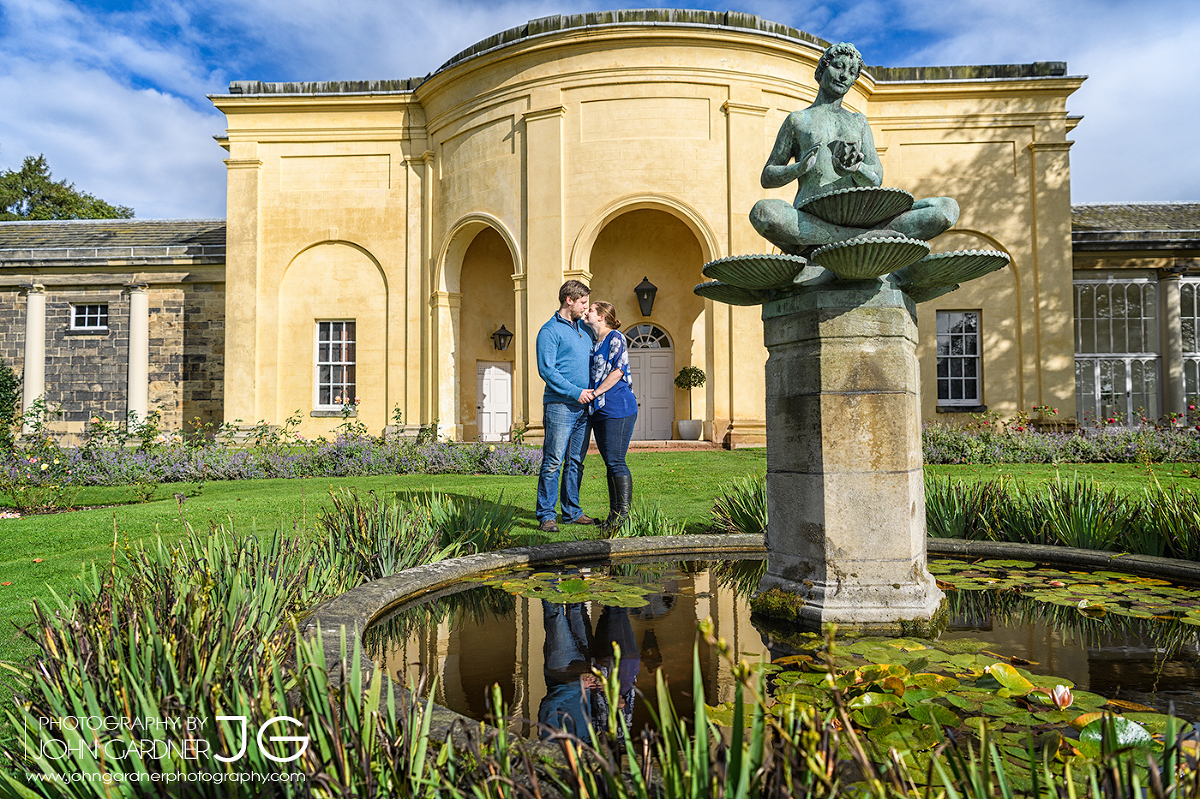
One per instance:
[(203, 355), (87, 372), (12, 329), (166, 355)]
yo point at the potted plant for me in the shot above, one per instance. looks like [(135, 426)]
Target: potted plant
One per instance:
[(690, 377)]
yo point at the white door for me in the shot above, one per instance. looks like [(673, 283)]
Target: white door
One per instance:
[(652, 369), (493, 403)]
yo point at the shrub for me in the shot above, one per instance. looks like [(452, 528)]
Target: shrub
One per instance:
[(986, 444), (742, 507), (954, 509), (645, 520), (10, 401)]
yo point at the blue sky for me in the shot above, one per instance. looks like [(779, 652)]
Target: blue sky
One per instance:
[(114, 93)]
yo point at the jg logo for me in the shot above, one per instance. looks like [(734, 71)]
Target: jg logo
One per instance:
[(302, 740)]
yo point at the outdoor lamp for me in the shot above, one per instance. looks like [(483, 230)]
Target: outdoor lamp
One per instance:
[(502, 338), (645, 292)]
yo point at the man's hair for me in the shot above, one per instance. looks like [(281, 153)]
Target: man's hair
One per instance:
[(573, 290), (835, 50), (608, 313)]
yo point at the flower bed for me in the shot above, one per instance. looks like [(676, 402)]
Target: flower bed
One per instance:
[(42, 474), (943, 444)]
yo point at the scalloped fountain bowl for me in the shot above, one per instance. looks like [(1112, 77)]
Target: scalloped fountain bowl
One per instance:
[(863, 259), (756, 271), (950, 268), (861, 206)]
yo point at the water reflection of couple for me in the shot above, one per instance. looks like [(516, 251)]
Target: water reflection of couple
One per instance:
[(574, 694)]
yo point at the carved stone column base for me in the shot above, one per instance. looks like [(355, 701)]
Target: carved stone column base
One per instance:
[(845, 481)]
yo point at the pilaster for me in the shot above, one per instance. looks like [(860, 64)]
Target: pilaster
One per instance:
[(137, 397), (736, 394), (1053, 328), (242, 271), (544, 247), (33, 383), (1174, 399)]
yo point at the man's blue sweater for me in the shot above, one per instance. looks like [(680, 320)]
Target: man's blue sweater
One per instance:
[(564, 351)]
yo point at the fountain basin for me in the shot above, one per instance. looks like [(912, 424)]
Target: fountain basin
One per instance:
[(355, 610)]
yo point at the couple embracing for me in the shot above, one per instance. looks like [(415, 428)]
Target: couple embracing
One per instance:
[(582, 357)]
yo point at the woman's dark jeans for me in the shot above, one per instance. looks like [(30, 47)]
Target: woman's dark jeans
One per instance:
[(612, 439)]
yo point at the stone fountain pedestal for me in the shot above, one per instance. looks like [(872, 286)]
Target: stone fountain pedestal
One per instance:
[(845, 487)]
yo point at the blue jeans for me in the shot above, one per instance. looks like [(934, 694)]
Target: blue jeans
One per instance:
[(567, 434), (612, 439)]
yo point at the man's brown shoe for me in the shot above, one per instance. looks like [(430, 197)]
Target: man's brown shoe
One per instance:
[(582, 518), (548, 526)]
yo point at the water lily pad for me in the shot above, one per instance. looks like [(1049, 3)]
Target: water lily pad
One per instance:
[(935, 713), (919, 695), (937, 682), (872, 699), (999, 707), (871, 716), (1128, 732), (1011, 679)]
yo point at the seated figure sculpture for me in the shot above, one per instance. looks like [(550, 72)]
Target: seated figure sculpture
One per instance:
[(827, 147)]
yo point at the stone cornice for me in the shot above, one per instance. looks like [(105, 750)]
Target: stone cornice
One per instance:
[(730, 107), (1050, 146), (243, 163), (445, 299), (545, 113)]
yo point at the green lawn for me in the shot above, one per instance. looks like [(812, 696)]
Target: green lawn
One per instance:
[(41, 553)]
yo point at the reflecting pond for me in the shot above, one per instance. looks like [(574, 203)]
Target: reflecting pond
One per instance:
[(1013, 631)]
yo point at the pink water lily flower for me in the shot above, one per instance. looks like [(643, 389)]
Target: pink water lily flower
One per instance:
[(1062, 697)]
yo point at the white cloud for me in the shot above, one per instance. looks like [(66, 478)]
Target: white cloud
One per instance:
[(115, 99), (136, 147)]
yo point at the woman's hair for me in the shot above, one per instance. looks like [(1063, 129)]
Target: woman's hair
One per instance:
[(609, 313)]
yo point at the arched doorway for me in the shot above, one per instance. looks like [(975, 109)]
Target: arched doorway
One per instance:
[(485, 383), (653, 244), (651, 367)]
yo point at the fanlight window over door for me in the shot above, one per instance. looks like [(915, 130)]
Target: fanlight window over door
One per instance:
[(647, 337)]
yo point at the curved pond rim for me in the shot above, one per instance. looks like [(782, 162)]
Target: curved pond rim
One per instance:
[(352, 612), (1185, 571)]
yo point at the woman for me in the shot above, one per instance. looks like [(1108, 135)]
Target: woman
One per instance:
[(614, 408)]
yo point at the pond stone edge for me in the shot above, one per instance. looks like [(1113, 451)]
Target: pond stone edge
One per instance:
[(352, 612)]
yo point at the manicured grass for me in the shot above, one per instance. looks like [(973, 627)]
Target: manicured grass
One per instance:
[(682, 484), (1122, 476)]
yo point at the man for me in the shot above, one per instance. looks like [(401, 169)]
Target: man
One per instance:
[(564, 348), (831, 148)]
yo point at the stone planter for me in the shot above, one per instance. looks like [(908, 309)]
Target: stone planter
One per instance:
[(691, 429)]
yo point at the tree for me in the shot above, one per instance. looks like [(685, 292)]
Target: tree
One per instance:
[(29, 193)]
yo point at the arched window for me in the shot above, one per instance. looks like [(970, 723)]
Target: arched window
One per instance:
[(648, 337)]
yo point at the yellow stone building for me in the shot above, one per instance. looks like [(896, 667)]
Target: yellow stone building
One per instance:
[(380, 233)]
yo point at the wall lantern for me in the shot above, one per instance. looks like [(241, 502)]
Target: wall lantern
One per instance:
[(645, 292), (502, 338)]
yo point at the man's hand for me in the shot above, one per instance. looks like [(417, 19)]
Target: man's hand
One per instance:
[(587, 396)]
